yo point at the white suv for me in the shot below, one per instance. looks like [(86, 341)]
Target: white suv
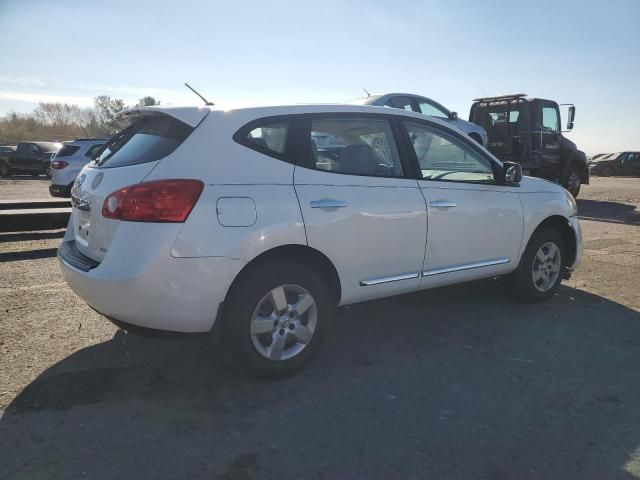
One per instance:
[(244, 218), (68, 161)]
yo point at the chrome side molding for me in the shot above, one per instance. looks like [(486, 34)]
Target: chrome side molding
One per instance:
[(393, 278), (466, 266)]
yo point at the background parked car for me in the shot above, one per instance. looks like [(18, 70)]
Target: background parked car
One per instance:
[(29, 157), (621, 163), (67, 163), (426, 106)]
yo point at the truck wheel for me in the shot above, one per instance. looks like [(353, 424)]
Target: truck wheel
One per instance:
[(572, 181), (4, 170), (276, 318), (540, 271)]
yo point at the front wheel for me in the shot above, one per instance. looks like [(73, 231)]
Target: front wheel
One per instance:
[(275, 318), (540, 271), (572, 181)]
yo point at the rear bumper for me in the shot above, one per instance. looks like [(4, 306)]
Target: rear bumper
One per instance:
[(145, 286), (59, 190)]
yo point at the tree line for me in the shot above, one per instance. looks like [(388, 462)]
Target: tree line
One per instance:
[(58, 122)]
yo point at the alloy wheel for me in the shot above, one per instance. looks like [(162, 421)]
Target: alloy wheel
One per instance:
[(546, 267), (283, 323)]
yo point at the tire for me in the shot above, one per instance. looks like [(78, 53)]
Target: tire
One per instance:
[(525, 287), (572, 181), (4, 170), (47, 170), (251, 307), (606, 172)]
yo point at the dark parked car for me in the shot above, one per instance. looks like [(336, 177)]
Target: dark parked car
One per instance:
[(29, 157), (621, 163)]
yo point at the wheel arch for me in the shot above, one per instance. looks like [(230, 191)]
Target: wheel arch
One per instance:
[(560, 224), (303, 254)]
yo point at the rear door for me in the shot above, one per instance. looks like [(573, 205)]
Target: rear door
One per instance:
[(359, 204), (126, 159)]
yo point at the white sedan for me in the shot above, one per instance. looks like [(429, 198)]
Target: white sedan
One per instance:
[(261, 220)]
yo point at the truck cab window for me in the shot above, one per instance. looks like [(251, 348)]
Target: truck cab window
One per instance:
[(550, 119)]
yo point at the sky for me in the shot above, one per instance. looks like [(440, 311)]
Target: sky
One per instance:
[(247, 52)]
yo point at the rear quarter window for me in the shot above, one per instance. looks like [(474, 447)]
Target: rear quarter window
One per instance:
[(148, 139), (67, 150)]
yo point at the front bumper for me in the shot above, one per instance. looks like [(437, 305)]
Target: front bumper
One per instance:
[(138, 282), (575, 225)]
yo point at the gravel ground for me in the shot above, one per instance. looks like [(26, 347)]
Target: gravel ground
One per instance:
[(454, 383)]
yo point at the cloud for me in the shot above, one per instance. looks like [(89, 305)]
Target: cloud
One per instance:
[(43, 97), (23, 81)]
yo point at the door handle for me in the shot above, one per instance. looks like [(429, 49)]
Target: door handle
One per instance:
[(443, 204), (328, 203)]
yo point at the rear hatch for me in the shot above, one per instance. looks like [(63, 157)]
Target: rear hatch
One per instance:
[(149, 136)]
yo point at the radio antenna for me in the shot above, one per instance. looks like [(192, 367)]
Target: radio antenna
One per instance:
[(367, 92), (206, 102)]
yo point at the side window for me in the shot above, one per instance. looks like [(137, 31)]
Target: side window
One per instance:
[(354, 146), (443, 157), (403, 103), (92, 150), (23, 149), (33, 149), (269, 137), (427, 108), (550, 119)]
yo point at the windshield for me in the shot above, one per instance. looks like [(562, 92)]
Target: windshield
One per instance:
[(148, 139)]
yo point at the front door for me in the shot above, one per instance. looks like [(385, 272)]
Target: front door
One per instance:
[(551, 140), (475, 225), (359, 206)]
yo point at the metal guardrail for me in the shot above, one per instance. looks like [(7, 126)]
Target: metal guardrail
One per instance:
[(39, 214)]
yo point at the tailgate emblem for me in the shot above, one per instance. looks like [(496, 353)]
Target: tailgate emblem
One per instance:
[(96, 181)]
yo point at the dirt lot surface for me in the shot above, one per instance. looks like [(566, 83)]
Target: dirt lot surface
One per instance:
[(454, 383)]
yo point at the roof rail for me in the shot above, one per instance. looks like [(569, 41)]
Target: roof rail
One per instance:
[(501, 97)]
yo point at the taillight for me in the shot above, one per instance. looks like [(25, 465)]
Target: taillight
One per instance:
[(159, 201), (59, 164)]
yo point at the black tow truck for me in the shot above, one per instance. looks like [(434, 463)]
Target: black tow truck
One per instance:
[(528, 131)]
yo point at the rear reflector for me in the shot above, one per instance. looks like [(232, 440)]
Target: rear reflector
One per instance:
[(159, 201), (59, 164)]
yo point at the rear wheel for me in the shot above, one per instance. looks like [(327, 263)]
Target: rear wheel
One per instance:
[(572, 181), (275, 318), (540, 271), (4, 169), (606, 172), (47, 170)]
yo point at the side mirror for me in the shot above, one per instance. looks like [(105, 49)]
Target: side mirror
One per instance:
[(511, 172), (453, 116), (572, 115)]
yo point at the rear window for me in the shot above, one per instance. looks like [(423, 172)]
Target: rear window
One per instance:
[(67, 150), (148, 139), (499, 120)]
